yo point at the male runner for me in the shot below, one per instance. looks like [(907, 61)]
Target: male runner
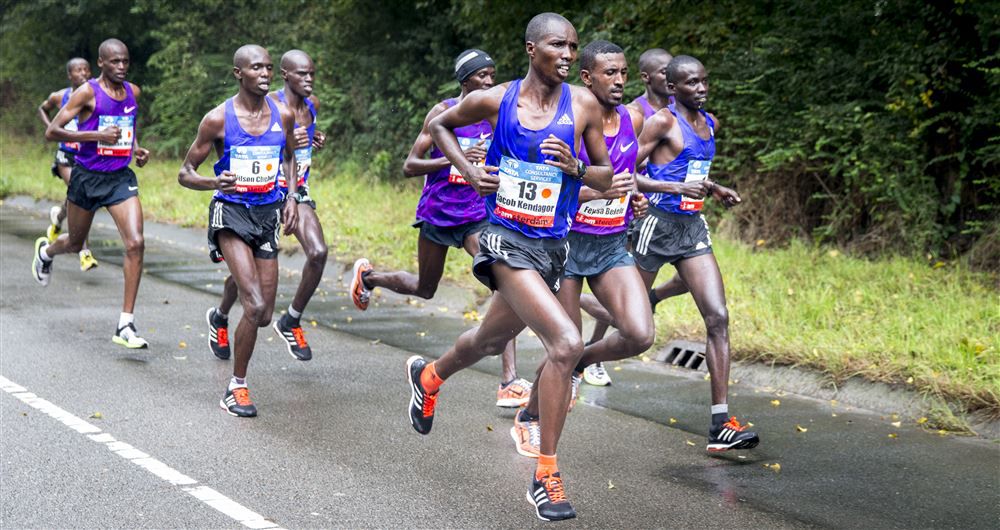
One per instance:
[(680, 144), (107, 109), (597, 246), (252, 135), (450, 213), (78, 72), (538, 124), (299, 72)]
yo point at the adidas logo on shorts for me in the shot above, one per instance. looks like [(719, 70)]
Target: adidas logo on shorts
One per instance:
[(565, 120), (266, 247)]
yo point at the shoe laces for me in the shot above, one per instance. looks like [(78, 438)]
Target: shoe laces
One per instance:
[(430, 400), (534, 433), (599, 370), (554, 488), (300, 337), (242, 396), (223, 335), (734, 424)]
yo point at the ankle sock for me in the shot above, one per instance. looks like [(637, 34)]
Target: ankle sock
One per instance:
[(429, 379), (293, 314), (125, 319), (237, 382), (719, 414), (546, 466)]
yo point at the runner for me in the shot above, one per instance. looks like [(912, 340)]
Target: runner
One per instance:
[(298, 72), (78, 72), (450, 214), (680, 144), (107, 110), (252, 135), (597, 246), (538, 123)]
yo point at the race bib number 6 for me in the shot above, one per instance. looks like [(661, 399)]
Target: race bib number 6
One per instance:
[(454, 175), (303, 161), (123, 147), (255, 167), (697, 172), (528, 192)]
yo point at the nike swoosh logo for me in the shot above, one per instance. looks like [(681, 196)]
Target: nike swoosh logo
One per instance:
[(484, 136), (129, 109), (625, 147), (133, 188)]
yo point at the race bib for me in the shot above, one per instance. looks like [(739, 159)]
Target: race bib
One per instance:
[(123, 147), (303, 161), (72, 125), (454, 175), (255, 166), (603, 212), (697, 172), (528, 192)]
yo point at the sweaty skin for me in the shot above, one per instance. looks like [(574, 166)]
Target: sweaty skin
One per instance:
[(256, 279)]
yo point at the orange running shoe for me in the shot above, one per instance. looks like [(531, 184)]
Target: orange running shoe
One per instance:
[(237, 403), (359, 293), (515, 394), (527, 434), (731, 435), (548, 496)]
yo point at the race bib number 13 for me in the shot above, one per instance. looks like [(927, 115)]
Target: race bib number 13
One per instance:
[(454, 175), (697, 172), (255, 166), (123, 147), (528, 192)]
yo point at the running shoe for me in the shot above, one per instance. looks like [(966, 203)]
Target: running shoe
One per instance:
[(527, 435), (41, 269), (596, 375), (515, 394), (237, 403), (55, 228), (421, 403), (218, 333), (731, 435), (359, 293), (128, 337), (87, 260), (548, 496), (574, 390), (295, 339)]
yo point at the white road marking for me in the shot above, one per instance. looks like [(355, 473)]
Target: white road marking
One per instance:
[(205, 494)]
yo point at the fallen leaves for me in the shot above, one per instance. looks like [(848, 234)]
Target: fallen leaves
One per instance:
[(776, 467), (182, 345), (897, 424), (922, 420), (97, 416), (800, 428), (689, 442), (489, 428), (611, 485), (775, 403), (672, 421), (893, 435)]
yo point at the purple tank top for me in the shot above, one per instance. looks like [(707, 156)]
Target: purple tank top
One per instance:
[(97, 156), (692, 164), (447, 199), (602, 216)]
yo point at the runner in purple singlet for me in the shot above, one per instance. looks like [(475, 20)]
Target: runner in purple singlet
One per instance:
[(106, 108)]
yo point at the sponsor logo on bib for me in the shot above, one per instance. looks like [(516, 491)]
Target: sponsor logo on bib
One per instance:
[(528, 192), (255, 167), (123, 147)]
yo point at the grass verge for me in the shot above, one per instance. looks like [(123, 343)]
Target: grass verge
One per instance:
[(932, 327)]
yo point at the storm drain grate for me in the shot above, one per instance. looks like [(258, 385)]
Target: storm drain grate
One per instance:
[(684, 353)]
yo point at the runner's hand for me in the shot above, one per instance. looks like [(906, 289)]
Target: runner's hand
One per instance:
[(476, 153), (484, 179), (728, 197), (290, 215), (141, 156), (319, 140), (695, 190), (301, 137), (640, 205), (226, 182), (621, 184), (564, 159), (109, 135)]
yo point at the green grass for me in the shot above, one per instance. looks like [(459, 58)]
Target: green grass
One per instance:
[(932, 327)]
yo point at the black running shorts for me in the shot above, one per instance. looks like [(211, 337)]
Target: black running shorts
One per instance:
[(663, 237), (257, 226), (592, 255), (91, 190), (450, 236), (63, 158), (497, 244)]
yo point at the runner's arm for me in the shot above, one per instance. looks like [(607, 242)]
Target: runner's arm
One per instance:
[(210, 130), (599, 175), (478, 106), (415, 164), (290, 211), (655, 131), (141, 154), (319, 137), (81, 99), (51, 102)]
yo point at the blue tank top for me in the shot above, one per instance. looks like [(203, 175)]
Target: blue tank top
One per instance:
[(71, 125), (254, 159), (534, 198), (303, 155), (691, 165)]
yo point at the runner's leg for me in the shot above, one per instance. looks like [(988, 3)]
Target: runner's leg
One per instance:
[(431, 257), (128, 218)]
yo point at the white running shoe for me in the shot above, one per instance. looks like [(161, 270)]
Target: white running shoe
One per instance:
[(128, 337), (596, 375), (41, 269)]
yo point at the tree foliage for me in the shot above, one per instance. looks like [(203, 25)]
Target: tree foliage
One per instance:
[(867, 123)]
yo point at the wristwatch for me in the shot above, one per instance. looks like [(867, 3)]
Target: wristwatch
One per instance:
[(581, 169)]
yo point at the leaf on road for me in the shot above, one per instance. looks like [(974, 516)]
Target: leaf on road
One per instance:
[(313, 322), (800, 428), (350, 319), (776, 467), (181, 357), (489, 428), (896, 424), (689, 442), (617, 368), (443, 309), (673, 421), (376, 342), (182, 345), (922, 421), (775, 403), (833, 402), (97, 415), (611, 485), (834, 414), (942, 432), (893, 435), (708, 377), (421, 333)]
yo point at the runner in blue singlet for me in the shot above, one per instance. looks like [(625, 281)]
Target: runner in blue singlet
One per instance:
[(253, 136), (680, 144), (531, 184)]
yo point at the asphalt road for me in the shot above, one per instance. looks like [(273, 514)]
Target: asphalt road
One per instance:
[(92, 435)]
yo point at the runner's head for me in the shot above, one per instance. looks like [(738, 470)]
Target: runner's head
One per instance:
[(77, 71), (604, 71), (474, 69), (688, 81), (551, 43), (653, 71), (252, 67), (113, 60), (299, 72)]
